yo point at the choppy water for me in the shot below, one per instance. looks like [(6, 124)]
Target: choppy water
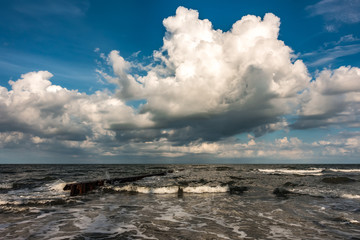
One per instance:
[(193, 202)]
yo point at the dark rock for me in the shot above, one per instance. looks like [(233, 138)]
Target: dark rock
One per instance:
[(281, 192), (338, 180), (202, 181), (236, 178), (84, 187), (180, 192), (237, 189)]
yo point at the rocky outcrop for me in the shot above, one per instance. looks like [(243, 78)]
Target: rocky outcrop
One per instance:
[(84, 187)]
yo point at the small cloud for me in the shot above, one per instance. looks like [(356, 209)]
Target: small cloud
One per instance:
[(330, 28), (332, 51), (282, 141), (350, 38), (135, 54), (336, 12), (97, 50), (347, 38), (250, 136), (252, 142)]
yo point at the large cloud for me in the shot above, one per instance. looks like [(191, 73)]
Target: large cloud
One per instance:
[(333, 98), (203, 87), (209, 84), (36, 106)]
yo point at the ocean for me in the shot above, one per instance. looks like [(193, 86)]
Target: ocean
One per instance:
[(189, 202)]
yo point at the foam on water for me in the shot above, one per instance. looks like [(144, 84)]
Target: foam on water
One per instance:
[(206, 189), (57, 186), (277, 232), (175, 214), (353, 221), (236, 229), (345, 170), (316, 192), (172, 189), (312, 171), (142, 189), (102, 224), (351, 196), (49, 193), (6, 186)]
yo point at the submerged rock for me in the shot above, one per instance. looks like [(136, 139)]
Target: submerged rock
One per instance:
[(338, 180), (281, 192), (237, 189), (180, 192)]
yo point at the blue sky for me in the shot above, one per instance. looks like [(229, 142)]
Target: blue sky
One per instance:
[(95, 81)]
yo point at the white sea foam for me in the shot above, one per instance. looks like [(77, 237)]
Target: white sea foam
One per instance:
[(47, 193), (173, 189), (311, 171), (345, 170), (141, 189), (316, 192), (350, 196), (57, 186), (241, 234), (277, 232), (6, 185), (206, 189), (100, 223), (175, 214)]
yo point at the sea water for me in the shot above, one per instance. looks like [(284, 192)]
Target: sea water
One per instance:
[(190, 202)]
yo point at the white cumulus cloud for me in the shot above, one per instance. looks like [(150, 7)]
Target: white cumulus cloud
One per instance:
[(333, 98), (35, 106), (204, 78)]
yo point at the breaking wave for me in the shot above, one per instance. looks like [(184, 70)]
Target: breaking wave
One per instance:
[(57, 186), (6, 185), (47, 194), (350, 196), (311, 171), (140, 189), (172, 189), (345, 170), (206, 189)]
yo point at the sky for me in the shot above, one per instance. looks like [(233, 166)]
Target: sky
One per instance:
[(180, 81)]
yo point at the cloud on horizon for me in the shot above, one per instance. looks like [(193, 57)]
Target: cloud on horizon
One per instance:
[(203, 87)]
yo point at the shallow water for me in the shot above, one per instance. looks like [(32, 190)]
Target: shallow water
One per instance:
[(193, 202)]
